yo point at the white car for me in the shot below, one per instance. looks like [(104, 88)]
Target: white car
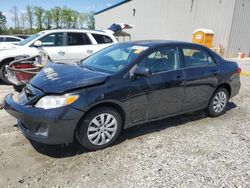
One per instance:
[(8, 39), (62, 45)]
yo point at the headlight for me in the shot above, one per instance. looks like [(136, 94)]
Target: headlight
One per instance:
[(53, 101)]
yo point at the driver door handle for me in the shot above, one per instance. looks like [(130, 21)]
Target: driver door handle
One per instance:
[(61, 53)]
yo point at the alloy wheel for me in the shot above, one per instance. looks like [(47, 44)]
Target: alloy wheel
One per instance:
[(220, 101), (102, 129)]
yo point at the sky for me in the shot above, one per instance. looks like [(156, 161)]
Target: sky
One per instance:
[(78, 5)]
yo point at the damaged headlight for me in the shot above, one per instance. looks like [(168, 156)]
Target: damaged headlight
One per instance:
[(52, 101)]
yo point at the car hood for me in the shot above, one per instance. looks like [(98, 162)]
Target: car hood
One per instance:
[(59, 78)]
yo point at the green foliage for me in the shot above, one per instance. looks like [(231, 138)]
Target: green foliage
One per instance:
[(91, 20), (30, 14), (36, 19), (2, 22), (39, 14)]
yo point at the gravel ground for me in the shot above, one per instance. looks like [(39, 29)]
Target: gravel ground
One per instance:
[(191, 150)]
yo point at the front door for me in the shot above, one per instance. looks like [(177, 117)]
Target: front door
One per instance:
[(166, 86), (54, 45)]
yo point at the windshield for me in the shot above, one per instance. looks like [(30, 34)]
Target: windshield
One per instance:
[(114, 58), (32, 37)]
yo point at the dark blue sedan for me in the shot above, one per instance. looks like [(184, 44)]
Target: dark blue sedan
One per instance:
[(119, 87)]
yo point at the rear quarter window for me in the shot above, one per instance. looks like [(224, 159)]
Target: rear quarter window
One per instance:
[(102, 39)]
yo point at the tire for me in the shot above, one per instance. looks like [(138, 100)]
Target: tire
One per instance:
[(94, 135), (218, 102), (3, 71)]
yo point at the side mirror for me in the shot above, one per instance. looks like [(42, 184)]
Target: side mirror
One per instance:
[(142, 71), (38, 43)]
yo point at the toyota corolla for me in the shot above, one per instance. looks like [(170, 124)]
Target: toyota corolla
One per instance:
[(121, 86)]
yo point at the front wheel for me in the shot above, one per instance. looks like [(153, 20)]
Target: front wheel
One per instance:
[(99, 129), (218, 102), (3, 72)]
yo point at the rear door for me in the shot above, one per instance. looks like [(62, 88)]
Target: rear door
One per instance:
[(54, 45), (79, 46), (201, 77)]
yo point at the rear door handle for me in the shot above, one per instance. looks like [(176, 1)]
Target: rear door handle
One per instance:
[(90, 51), (61, 53)]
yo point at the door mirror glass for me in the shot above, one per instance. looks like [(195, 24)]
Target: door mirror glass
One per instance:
[(38, 43), (142, 71)]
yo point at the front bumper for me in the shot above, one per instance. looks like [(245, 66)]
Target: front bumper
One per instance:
[(51, 126)]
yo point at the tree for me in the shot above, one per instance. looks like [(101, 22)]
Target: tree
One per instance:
[(15, 18), (47, 19), (56, 15), (22, 21), (91, 20), (30, 13), (75, 16), (39, 13), (2, 22), (81, 20)]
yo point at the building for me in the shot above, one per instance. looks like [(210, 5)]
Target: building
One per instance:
[(177, 20)]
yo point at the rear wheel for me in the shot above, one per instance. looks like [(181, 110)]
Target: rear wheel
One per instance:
[(218, 102), (3, 72), (99, 129)]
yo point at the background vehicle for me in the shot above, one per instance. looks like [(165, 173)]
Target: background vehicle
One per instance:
[(22, 36), (8, 39), (121, 86), (61, 45)]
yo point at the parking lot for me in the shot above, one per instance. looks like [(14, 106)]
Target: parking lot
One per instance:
[(192, 150)]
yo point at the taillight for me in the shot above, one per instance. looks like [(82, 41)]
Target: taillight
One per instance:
[(238, 70)]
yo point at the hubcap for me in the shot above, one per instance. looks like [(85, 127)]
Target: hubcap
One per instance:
[(102, 129), (220, 101)]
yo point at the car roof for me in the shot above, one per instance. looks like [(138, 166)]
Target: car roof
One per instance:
[(75, 30), (155, 43), (9, 36)]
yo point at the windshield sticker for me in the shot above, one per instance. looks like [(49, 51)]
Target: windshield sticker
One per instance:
[(139, 49)]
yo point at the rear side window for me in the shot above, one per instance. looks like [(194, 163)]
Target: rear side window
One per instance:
[(9, 39), (102, 39), (197, 57), (75, 39), (1, 39)]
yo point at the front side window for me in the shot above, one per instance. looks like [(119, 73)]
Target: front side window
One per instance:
[(102, 39), (163, 59), (54, 39), (196, 57), (29, 39), (75, 39), (1, 39)]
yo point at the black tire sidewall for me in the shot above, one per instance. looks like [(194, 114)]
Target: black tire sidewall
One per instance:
[(2, 70), (211, 111), (81, 132)]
